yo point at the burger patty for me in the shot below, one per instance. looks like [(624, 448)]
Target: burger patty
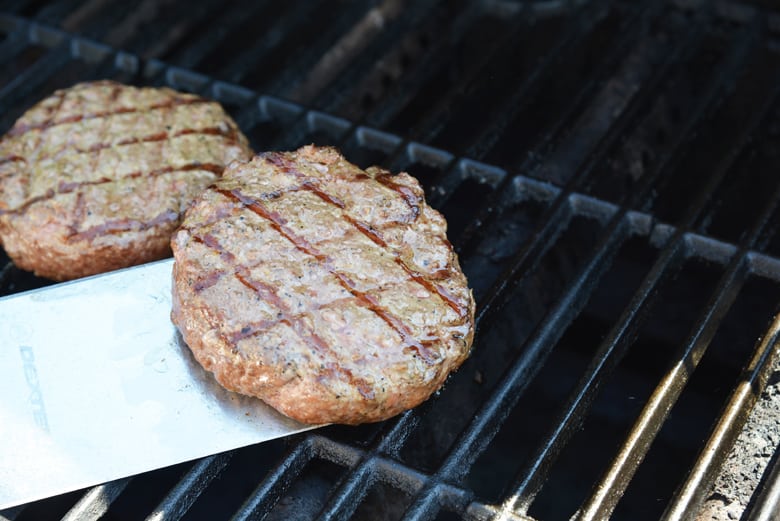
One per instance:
[(329, 292), (97, 176)]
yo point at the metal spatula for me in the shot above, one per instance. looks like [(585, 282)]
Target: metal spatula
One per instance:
[(96, 384)]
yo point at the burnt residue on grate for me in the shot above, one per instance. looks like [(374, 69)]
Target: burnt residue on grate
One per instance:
[(607, 169)]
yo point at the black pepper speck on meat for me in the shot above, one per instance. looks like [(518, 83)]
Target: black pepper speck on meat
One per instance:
[(329, 292)]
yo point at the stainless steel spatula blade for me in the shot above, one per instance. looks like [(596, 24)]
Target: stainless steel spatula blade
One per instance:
[(96, 384)]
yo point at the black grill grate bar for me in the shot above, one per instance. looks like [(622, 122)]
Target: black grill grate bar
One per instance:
[(554, 222), (596, 156), (454, 172), (96, 502), (297, 132), (94, 20), (7, 273), (375, 467), (409, 84), (33, 77), (701, 246), (611, 350), (345, 500), (354, 486), (113, 66), (56, 11), (299, 129), (258, 51), (707, 103), (659, 405), (343, 35), (186, 491), (15, 43), (607, 356), (353, 489), (136, 35), (480, 431), (762, 265), (360, 48), (630, 29), (650, 421), (435, 120), (215, 32), (511, 107), (273, 486)]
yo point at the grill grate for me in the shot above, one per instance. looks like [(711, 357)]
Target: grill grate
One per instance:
[(607, 170)]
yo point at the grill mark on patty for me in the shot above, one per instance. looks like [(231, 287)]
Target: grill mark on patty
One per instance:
[(445, 295), (252, 329), (411, 199), (75, 118), (208, 281), (124, 225), (78, 213), (230, 135), (285, 315), (368, 231), (12, 159), (304, 332), (129, 224), (279, 224), (64, 188)]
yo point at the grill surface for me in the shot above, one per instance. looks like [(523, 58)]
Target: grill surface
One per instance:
[(608, 172)]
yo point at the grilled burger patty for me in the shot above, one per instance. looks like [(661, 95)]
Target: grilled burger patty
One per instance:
[(97, 176), (329, 292)]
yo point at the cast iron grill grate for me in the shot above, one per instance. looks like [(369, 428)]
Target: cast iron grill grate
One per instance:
[(607, 170)]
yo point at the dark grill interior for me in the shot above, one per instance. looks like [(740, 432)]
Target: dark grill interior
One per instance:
[(608, 172)]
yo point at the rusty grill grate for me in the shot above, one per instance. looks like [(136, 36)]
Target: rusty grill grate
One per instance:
[(608, 172)]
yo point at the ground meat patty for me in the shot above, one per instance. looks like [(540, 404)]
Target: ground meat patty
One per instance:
[(97, 176), (329, 292)]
